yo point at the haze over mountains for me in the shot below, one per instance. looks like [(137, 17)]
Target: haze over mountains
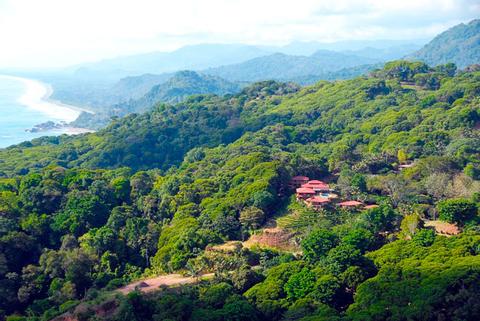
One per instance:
[(116, 87), (178, 87), (109, 82), (204, 56)]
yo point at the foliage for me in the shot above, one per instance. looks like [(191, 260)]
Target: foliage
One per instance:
[(457, 210)]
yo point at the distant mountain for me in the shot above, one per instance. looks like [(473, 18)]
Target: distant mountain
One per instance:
[(178, 87), (460, 45), (285, 67), (181, 85), (204, 56), (135, 87), (195, 57), (387, 53)]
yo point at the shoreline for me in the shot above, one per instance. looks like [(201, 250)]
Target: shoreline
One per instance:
[(49, 93), (37, 97)]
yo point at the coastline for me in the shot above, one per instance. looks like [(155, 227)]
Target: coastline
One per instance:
[(37, 96)]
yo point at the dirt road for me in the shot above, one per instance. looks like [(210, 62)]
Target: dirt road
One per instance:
[(153, 284)]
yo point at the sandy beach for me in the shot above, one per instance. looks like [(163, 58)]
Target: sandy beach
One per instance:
[(37, 96)]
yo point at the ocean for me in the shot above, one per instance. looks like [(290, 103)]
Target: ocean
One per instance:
[(22, 106)]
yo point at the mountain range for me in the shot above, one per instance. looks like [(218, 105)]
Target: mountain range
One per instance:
[(151, 77), (176, 88), (459, 45)]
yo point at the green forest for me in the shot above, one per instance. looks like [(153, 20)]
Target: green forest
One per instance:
[(190, 188)]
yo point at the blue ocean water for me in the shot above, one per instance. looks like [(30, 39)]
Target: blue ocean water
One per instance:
[(15, 117)]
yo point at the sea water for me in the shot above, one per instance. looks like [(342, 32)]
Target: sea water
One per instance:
[(22, 107)]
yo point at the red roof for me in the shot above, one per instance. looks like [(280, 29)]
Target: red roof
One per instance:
[(322, 186), (370, 206), (350, 203), (303, 190), (300, 178), (318, 199), (316, 182)]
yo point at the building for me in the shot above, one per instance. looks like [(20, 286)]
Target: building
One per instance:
[(317, 186), (298, 181), (317, 202), (304, 193), (368, 207), (350, 204)]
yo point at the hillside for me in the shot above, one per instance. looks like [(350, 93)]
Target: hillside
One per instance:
[(175, 89), (102, 84), (181, 85), (459, 45), (154, 193), (284, 67)]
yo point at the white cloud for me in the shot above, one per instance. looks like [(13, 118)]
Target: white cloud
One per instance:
[(59, 32)]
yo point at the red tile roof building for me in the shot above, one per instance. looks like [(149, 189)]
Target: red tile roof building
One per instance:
[(298, 181), (304, 193), (350, 204), (317, 202), (317, 186)]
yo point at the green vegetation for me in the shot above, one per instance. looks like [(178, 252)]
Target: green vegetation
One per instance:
[(154, 193), (323, 64), (459, 45), (177, 88)]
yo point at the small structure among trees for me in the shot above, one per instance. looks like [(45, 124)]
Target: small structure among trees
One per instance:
[(318, 202), (350, 204), (317, 194), (298, 181), (304, 193)]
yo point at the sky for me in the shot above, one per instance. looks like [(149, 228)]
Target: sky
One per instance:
[(54, 33)]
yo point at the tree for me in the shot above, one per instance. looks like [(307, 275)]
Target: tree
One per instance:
[(472, 171), (317, 244), (410, 225), (457, 210), (401, 156), (379, 219), (251, 218), (244, 278), (300, 284), (326, 287), (359, 238), (424, 237), (341, 257)]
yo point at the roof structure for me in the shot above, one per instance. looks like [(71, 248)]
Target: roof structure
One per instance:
[(316, 185), (350, 203), (304, 190), (318, 200), (316, 182)]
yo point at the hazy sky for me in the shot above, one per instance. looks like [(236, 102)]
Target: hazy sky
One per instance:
[(40, 33)]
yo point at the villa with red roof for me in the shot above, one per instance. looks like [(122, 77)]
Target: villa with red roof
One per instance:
[(350, 204), (298, 181), (317, 186), (304, 193), (317, 202), (317, 194)]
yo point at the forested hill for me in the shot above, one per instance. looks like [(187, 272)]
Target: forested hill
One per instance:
[(459, 45), (404, 104), (286, 67), (196, 187), (178, 87), (181, 85)]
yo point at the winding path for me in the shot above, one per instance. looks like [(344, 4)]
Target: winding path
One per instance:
[(149, 285)]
